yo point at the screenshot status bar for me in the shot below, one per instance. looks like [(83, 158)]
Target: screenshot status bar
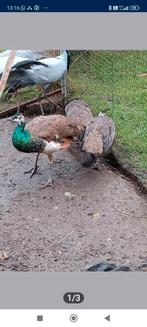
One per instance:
[(75, 6)]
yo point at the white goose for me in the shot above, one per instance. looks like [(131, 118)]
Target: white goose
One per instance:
[(39, 72), (26, 72)]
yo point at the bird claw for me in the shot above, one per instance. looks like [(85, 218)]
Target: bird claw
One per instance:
[(49, 183), (33, 170), (28, 171)]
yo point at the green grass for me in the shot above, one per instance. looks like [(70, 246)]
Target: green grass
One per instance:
[(108, 81)]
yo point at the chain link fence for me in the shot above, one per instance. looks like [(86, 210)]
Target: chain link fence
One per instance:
[(105, 78), (115, 82)]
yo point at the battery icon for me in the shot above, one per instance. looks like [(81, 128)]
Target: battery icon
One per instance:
[(134, 8)]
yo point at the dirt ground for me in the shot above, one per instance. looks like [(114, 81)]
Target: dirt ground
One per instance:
[(42, 230)]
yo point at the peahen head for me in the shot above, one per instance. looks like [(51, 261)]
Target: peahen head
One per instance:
[(19, 119)]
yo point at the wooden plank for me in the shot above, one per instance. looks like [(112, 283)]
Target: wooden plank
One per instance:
[(6, 72), (13, 109)]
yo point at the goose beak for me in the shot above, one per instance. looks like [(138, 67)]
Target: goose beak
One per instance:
[(65, 144)]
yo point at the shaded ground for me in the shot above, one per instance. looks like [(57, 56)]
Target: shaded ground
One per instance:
[(41, 230)]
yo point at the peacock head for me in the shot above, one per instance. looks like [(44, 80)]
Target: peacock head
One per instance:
[(19, 119)]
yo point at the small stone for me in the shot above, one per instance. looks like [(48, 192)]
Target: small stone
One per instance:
[(55, 208), (69, 196), (95, 215)]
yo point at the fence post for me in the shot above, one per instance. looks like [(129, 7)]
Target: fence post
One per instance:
[(64, 87), (6, 72)]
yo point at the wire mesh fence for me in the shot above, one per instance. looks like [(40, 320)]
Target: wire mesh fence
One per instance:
[(105, 78), (115, 82), (91, 76)]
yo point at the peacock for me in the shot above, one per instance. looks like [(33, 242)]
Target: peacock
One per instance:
[(79, 113), (43, 134), (98, 139), (96, 135)]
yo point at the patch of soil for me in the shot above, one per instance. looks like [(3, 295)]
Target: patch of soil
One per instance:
[(44, 230)]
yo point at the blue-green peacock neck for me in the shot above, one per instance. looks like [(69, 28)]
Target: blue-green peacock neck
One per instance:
[(25, 142)]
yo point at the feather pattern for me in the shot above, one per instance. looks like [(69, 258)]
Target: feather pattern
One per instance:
[(41, 72), (23, 141), (52, 127), (3, 62), (79, 113), (27, 71), (99, 138)]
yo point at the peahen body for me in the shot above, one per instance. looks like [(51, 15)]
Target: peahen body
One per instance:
[(98, 139), (43, 134), (79, 112)]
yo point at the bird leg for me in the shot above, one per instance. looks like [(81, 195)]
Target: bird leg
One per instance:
[(49, 183), (18, 108), (50, 180), (49, 100), (33, 169), (39, 98), (52, 102), (64, 89), (13, 95), (41, 107)]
